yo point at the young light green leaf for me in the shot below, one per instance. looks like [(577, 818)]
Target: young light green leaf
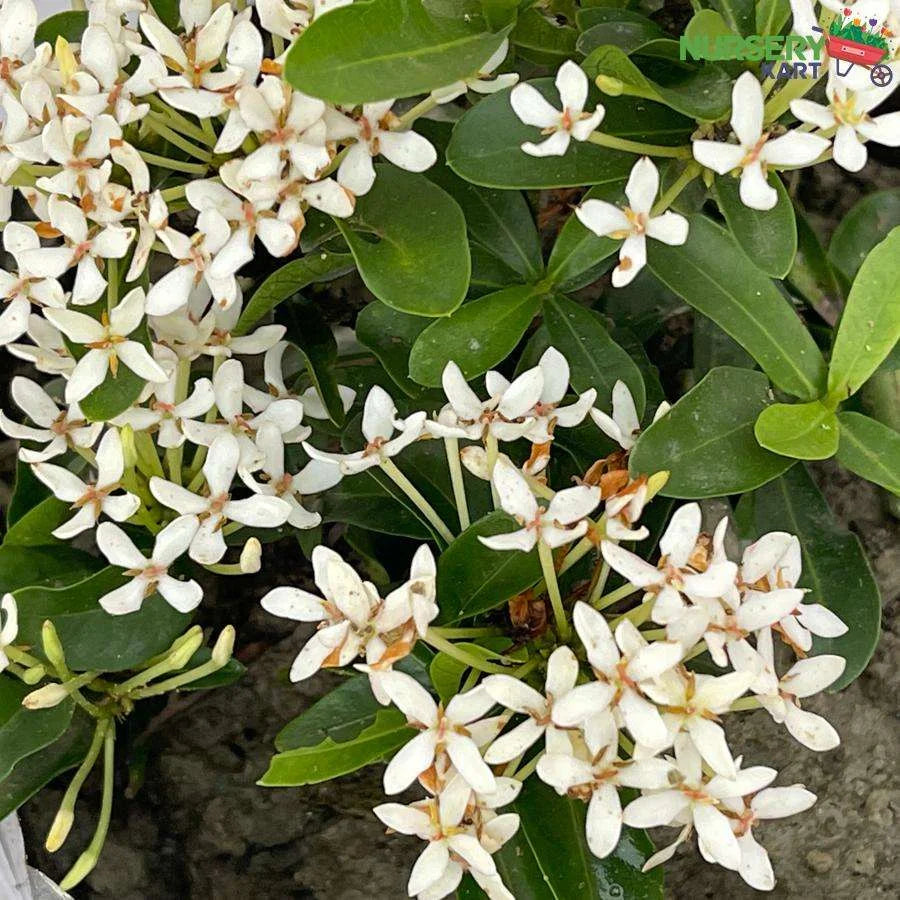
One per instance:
[(798, 430), (595, 359), (706, 440), (419, 232), (768, 237), (870, 325), (771, 16), (380, 49), (713, 275), (739, 15), (834, 565), (477, 336), (870, 449)]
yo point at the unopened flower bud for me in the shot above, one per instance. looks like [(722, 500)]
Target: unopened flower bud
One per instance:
[(609, 85), (475, 460), (34, 674), (53, 649), (45, 697), (129, 451), (655, 483), (221, 651), (182, 654), (251, 556), (60, 829)]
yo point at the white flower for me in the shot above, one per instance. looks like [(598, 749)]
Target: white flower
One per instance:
[(848, 111), (149, 574), (561, 125), (91, 498), (9, 615), (634, 223), (378, 425), (442, 731), (624, 424), (622, 667), (374, 134), (58, 428), (756, 149), (562, 673), (564, 520), (482, 82), (216, 509), (108, 345)]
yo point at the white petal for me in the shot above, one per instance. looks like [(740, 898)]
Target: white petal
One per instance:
[(780, 802), (602, 218), (532, 108), (755, 867), (465, 756), (643, 185), (747, 109), (604, 821), (655, 809), (410, 761), (811, 675), (714, 832), (514, 743), (118, 548)]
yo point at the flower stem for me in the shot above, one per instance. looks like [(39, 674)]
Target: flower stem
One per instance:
[(177, 121), (691, 171), (559, 612), (86, 862), (528, 768), (620, 593), (390, 469), (158, 124), (636, 616), (177, 165), (597, 590), (463, 656), (493, 451), (451, 445), (467, 632), (614, 143), (423, 106)]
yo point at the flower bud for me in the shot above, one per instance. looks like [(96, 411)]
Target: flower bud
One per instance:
[(182, 654), (609, 85), (59, 830), (53, 649), (34, 674), (221, 652), (655, 483), (45, 697), (251, 556), (129, 451)]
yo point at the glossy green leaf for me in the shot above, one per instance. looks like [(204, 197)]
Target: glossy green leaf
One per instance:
[(768, 237), (23, 566), (706, 440), (419, 231), (578, 256), (798, 430), (622, 28), (834, 565), (708, 24), (168, 13), (25, 731), (533, 868), (473, 579), (34, 528), (543, 40), (91, 637), (812, 275), (644, 305), (771, 16), (861, 229), (870, 449), (379, 49), (290, 278), (595, 359), (390, 335), (446, 672), (486, 145), (69, 24), (480, 334), (489, 274), (713, 275), (713, 347), (331, 759), (870, 325), (703, 93), (28, 492)]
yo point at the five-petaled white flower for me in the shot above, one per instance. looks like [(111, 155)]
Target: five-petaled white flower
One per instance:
[(483, 81), (756, 149), (572, 121), (634, 223)]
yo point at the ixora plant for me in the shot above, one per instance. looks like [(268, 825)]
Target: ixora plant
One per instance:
[(548, 588)]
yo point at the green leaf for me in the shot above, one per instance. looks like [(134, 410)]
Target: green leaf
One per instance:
[(28, 492), (480, 334), (168, 13), (390, 335), (615, 27), (595, 359), (812, 275), (446, 673), (91, 637), (739, 15), (25, 731), (35, 527), (768, 237), (798, 430), (486, 145), (290, 278), (543, 40), (870, 449), (420, 233), (380, 49), (533, 868), (578, 256), (23, 566), (870, 325), (473, 579), (69, 24), (331, 759), (706, 440), (713, 275), (713, 347), (861, 229), (308, 331), (771, 16), (834, 565), (703, 93)]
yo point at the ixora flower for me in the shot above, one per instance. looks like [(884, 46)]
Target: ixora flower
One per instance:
[(756, 149), (572, 121), (149, 574), (634, 223), (564, 520), (848, 112), (91, 498), (379, 422), (9, 614), (483, 81), (107, 344), (443, 730), (215, 509), (623, 425)]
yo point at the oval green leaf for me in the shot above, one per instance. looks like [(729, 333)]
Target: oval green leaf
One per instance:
[(390, 335), (870, 449), (69, 24), (543, 40), (798, 430)]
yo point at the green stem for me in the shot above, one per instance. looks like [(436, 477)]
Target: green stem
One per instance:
[(390, 469), (112, 284), (158, 124), (493, 451), (597, 590), (636, 616), (209, 131), (545, 554), (466, 658), (177, 165), (459, 633), (451, 446), (691, 171), (745, 703), (176, 120), (614, 143), (423, 106), (620, 593), (528, 768)]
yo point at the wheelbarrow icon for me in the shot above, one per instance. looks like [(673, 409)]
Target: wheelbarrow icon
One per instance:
[(855, 53)]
